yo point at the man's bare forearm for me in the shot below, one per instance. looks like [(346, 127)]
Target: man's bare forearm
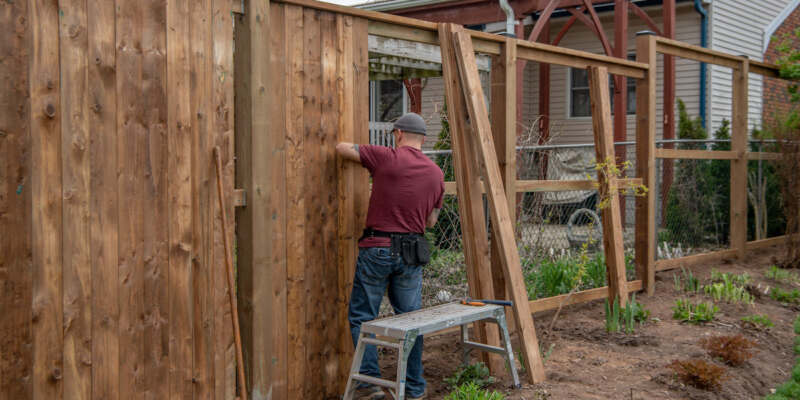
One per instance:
[(349, 151)]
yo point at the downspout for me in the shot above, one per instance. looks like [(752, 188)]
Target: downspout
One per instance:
[(509, 18), (698, 5)]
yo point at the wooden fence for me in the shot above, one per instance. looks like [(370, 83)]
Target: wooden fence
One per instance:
[(111, 261), (112, 281)]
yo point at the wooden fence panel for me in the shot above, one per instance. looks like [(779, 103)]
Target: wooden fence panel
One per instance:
[(112, 283)]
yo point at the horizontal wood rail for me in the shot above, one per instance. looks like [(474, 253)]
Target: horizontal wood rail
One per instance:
[(552, 303), (702, 54), (525, 186), (756, 155), (578, 59), (664, 265), (696, 154)]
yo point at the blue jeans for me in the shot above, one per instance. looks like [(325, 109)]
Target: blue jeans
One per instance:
[(376, 269)]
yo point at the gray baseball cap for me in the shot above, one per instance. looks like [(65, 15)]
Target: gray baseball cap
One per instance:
[(411, 122)]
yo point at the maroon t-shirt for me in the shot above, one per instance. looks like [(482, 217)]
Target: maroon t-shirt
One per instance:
[(406, 187)]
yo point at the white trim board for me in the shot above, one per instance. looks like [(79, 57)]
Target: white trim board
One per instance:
[(777, 22)]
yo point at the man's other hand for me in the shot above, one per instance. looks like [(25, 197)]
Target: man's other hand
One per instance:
[(349, 151)]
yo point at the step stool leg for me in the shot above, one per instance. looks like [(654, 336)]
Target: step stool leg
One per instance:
[(355, 367), (464, 349), (501, 322), (402, 364)]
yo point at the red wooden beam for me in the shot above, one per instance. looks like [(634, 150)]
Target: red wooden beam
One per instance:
[(543, 20), (565, 29), (646, 18), (414, 90), (474, 12), (600, 32)]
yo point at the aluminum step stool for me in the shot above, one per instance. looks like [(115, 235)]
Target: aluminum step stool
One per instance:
[(405, 328)]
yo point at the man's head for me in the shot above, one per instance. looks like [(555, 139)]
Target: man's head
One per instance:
[(409, 130)]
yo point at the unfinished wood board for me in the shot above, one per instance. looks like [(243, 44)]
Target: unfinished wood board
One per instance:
[(470, 199), (738, 212), (552, 303), (645, 231), (608, 190), (484, 153)]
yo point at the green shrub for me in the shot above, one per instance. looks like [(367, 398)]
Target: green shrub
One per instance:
[(758, 321), (785, 296), (471, 391), (685, 311), (477, 374)]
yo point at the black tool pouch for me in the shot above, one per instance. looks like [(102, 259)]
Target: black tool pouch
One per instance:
[(413, 249)]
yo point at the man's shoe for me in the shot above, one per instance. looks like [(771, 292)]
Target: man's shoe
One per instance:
[(420, 397), (371, 392)]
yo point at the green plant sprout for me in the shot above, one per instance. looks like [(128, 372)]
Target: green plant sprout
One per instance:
[(781, 275), (686, 281), (611, 172), (618, 317), (784, 296), (471, 391), (757, 321), (477, 373), (685, 311)]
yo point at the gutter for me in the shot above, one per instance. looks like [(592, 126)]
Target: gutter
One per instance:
[(698, 6)]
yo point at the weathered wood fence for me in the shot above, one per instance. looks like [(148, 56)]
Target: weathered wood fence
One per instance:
[(112, 281)]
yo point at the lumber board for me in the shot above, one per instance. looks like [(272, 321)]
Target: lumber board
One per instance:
[(295, 203), (552, 303), (132, 157), (524, 186), (77, 269), (46, 207), (346, 230), (222, 121), (504, 127), (697, 53), (155, 358), (612, 219), (502, 227), (645, 230), (688, 261), (738, 213), (759, 155), (312, 114), (695, 154), (15, 204), (329, 211), (470, 199), (239, 198), (578, 59), (764, 243), (179, 129), (202, 174)]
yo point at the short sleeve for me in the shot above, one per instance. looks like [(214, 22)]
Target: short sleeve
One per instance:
[(371, 156)]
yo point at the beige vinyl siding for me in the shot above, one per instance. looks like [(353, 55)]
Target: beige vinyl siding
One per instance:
[(737, 27)]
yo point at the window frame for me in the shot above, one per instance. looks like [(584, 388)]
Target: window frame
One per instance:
[(631, 87)]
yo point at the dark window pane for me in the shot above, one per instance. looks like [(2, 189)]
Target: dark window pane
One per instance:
[(580, 103), (580, 78), (390, 100)]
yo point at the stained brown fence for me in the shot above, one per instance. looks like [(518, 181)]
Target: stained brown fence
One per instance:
[(112, 279)]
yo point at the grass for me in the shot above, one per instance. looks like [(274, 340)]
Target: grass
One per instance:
[(791, 389), (785, 296), (757, 321), (685, 311)]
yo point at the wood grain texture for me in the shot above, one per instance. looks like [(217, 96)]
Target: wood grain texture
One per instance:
[(15, 203), (179, 130), (46, 197), (131, 165), (222, 124), (738, 214), (77, 269), (645, 230), (695, 154), (609, 185), (295, 203), (276, 339), (501, 223), (688, 261), (155, 357), (312, 108), (470, 200), (552, 303)]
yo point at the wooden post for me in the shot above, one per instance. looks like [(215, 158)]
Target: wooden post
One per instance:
[(504, 127), (612, 221), (646, 163), (668, 131), (738, 214), (470, 198), (503, 231)]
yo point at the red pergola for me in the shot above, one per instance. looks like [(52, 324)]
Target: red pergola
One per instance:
[(475, 12)]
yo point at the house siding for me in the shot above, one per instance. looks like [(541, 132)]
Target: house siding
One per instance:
[(737, 27)]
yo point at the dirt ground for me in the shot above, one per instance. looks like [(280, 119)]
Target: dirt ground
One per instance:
[(587, 363)]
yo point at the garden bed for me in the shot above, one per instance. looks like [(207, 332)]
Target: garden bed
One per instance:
[(583, 361)]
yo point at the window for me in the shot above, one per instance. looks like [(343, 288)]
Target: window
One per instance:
[(387, 100), (580, 105)]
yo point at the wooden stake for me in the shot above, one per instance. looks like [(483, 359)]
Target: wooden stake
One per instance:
[(483, 151), (237, 337)]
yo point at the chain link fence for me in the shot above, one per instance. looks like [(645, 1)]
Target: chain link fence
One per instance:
[(692, 214)]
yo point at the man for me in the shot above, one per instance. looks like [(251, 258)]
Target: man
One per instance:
[(407, 193)]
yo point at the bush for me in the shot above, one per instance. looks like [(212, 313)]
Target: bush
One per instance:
[(477, 374), (734, 350), (685, 311), (699, 373), (552, 277), (471, 391)]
